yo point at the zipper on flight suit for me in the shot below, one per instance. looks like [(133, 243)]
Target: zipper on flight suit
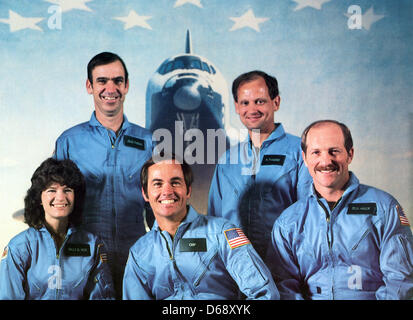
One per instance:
[(171, 255), (329, 232), (113, 143), (328, 222), (58, 254)]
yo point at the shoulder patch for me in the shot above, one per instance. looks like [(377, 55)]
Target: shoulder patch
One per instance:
[(402, 216), (102, 255), (5, 252), (236, 238)]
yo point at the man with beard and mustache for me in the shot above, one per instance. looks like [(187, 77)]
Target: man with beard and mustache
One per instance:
[(109, 151), (257, 179), (345, 240), (187, 255)]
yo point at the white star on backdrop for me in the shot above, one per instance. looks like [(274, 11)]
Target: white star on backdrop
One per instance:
[(134, 20), (17, 22), (369, 18), (247, 20), (68, 5), (316, 4), (179, 3)]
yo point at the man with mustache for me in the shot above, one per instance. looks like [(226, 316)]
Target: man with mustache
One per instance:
[(109, 151), (260, 177), (187, 255), (345, 240)]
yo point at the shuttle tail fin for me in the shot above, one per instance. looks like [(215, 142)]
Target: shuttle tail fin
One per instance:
[(188, 45)]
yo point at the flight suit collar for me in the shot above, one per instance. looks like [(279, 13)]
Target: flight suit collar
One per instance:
[(278, 133), (352, 184), (189, 218), (95, 123), (70, 230)]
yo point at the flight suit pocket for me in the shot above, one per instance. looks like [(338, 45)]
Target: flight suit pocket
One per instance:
[(204, 266), (364, 249), (161, 292)]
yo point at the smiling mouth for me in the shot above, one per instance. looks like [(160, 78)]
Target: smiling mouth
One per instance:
[(327, 169), (109, 98), (59, 205), (254, 116), (169, 201)]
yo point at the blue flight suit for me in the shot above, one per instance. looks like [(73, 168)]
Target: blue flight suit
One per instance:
[(361, 249), (252, 187), (111, 165), (32, 269), (197, 263)]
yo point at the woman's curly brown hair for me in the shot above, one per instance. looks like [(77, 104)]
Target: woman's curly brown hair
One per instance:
[(63, 172)]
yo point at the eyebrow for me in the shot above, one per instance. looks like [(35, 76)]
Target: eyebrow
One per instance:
[(172, 179), (113, 79)]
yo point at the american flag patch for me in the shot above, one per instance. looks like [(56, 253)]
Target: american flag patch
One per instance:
[(236, 238), (402, 216), (103, 255)]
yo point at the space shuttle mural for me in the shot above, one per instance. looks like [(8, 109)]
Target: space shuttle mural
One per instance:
[(187, 97), (187, 109)]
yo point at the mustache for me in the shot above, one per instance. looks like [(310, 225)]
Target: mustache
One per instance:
[(331, 166)]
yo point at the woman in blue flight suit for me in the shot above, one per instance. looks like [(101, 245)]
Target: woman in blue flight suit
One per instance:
[(54, 259)]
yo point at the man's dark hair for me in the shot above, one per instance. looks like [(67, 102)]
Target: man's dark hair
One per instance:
[(102, 59), (186, 169), (348, 140), (271, 82), (63, 172)]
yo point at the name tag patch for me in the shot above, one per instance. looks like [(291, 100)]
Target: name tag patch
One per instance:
[(362, 208), (193, 245), (273, 160), (77, 250), (134, 142)]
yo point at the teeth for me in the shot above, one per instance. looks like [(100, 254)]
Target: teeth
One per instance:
[(109, 98), (60, 205), (327, 171), (167, 201)]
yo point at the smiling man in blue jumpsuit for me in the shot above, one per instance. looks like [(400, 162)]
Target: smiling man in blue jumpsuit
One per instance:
[(187, 255), (260, 177), (109, 151), (345, 240)]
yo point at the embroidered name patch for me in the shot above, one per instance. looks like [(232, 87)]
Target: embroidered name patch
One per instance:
[(362, 208), (273, 160), (236, 238), (134, 142), (192, 245), (77, 250)]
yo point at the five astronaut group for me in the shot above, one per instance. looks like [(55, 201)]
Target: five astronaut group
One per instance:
[(287, 221)]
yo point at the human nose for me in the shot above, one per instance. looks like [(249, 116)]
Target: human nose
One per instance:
[(167, 189), (111, 86), (60, 195)]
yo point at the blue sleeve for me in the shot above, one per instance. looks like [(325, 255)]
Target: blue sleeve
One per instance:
[(281, 261), (135, 285), (100, 279), (215, 197), (248, 270), (12, 275), (396, 257)]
